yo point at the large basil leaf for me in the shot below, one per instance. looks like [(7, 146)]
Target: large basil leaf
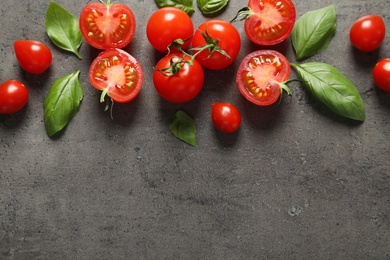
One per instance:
[(328, 85), (63, 28), (314, 31), (183, 127), (62, 102), (211, 6), (185, 5)]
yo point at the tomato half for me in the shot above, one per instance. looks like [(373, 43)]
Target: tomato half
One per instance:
[(33, 56), (367, 33), (117, 74), (218, 34), (167, 25), (105, 26), (260, 75), (182, 84), (13, 96), (381, 74), (225, 116), (270, 21)]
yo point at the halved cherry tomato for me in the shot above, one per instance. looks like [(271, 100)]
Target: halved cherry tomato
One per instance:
[(225, 116), (270, 21), (106, 25), (176, 80), (381, 74), (261, 75), (367, 33), (167, 25), (33, 56), (117, 74), (223, 40), (13, 96)]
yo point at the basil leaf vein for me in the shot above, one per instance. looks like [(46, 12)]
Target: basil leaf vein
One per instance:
[(183, 127), (185, 5), (211, 6)]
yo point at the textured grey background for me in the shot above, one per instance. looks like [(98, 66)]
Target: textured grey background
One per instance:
[(296, 181)]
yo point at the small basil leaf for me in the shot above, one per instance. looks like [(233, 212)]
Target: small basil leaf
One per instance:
[(328, 85), (183, 127), (314, 31), (63, 28), (211, 6), (185, 5), (62, 102)]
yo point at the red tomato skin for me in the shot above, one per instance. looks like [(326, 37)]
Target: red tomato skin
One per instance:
[(33, 56), (367, 33), (168, 24), (229, 41), (226, 117), (95, 15), (182, 86), (266, 67), (286, 19), (116, 91), (381, 74), (13, 96)]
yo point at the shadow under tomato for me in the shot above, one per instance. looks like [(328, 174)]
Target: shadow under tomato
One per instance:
[(366, 60), (226, 140)]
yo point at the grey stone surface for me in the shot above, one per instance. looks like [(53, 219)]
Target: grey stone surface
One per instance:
[(296, 181)]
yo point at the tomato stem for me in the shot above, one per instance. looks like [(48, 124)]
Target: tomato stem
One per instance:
[(244, 12), (211, 45)]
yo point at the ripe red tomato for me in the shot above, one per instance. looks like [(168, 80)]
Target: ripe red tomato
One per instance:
[(105, 26), (219, 34), (381, 74), (270, 22), (260, 75), (367, 33), (182, 84), (117, 74), (167, 25), (33, 56), (225, 116), (13, 96)]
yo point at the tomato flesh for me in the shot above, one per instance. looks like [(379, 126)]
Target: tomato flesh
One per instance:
[(118, 74), (33, 56), (271, 21), (13, 96), (105, 27), (260, 75)]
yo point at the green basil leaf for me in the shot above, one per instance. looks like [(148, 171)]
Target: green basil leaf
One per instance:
[(183, 127), (211, 6), (314, 31), (63, 28), (328, 85), (62, 102), (185, 5)]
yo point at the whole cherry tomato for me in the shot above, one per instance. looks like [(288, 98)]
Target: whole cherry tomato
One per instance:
[(225, 116), (106, 25), (367, 33), (13, 96), (117, 74), (33, 56), (381, 74)]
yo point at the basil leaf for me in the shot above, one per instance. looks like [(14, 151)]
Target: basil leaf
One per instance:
[(62, 102), (63, 28), (183, 127), (185, 5), (314, 31), (211, 6), (332, 88)]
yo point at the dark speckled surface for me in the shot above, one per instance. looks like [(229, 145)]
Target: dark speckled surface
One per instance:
[(295, 182)]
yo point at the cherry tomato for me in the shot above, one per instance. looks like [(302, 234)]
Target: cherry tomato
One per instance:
[(260, 75), (367, 33), (225, 116), (13, 96), (183, 83), (220, 35), (167, 25), (117, 74), (33, 56), (270, 22), (106, 25), (381, 74)]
